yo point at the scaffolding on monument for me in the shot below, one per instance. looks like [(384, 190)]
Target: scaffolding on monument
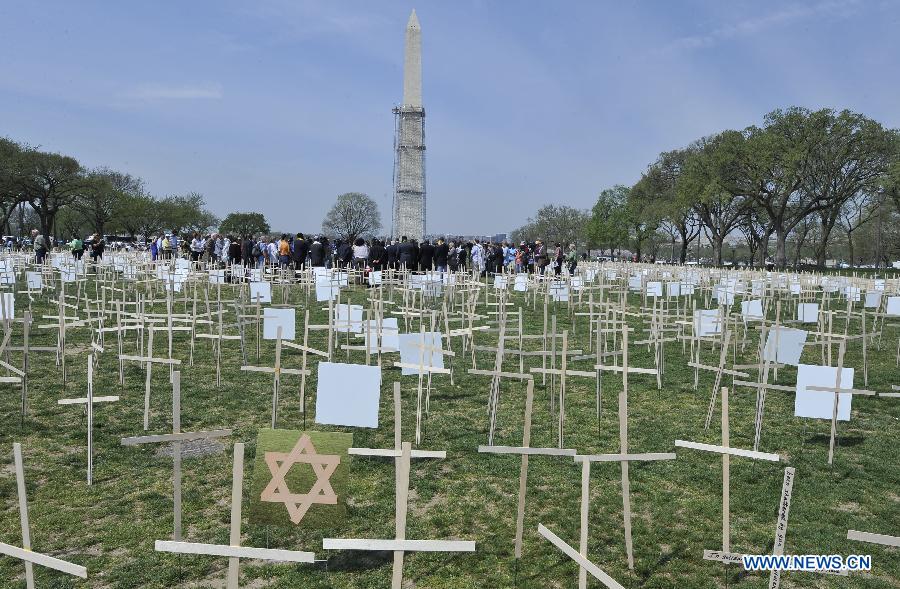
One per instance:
[(403, 145)]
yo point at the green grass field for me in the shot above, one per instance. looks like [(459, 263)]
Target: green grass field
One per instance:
[(111, 526)]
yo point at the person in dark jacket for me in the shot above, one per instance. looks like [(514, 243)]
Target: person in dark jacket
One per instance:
[(426, 256), (441, 252), (377, 255), (344, 254), (407, 257), (247, 250), (301, 249), (234, 250), (393, 254), (316, 253)]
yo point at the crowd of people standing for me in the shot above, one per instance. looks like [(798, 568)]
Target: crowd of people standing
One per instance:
[(299, 251)]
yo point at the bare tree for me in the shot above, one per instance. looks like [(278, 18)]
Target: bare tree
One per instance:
[(353, 215)]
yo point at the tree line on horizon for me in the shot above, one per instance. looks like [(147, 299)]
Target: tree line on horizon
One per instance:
[(820, 184), (62, 198)]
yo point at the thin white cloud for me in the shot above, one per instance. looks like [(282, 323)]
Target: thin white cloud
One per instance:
[(156, 92), (752, 26)]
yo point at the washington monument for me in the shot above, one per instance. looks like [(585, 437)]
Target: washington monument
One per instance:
[(409, 142)]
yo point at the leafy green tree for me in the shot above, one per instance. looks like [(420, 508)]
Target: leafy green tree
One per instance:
[(708, 179), (555, 223), (11, 194), (642, 215), (848, 165), (187, 213), (607, 227), (49, 182), (244, 224), (353, 215), (659, 189), (103, 196)]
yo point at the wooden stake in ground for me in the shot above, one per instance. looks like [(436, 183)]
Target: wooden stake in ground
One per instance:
[(149, 361), (871, 538), (583, 562), (525, 451), (25, 554), (276, 371), (623, 459), (234, 551), (176, 438), (88, 402), (400, 545), (726, 451)]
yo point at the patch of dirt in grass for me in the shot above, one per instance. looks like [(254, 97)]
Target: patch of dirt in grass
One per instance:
[(849, 507), (420, 509)]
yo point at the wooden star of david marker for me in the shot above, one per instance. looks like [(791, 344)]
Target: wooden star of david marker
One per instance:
[(280, 464)]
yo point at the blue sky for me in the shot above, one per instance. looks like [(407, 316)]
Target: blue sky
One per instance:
[(280, 105)]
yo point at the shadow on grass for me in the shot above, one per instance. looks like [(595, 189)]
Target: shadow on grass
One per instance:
[(359, 560)]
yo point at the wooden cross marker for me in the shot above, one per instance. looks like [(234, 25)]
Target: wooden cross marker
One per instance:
[(218, 339), (234, 551), (276, 371), (176, 438), (25, 554), (871, 538), (525, 451), (583, 562), (623, 459), (88, 402), (402, 454), (726, 451), (148, 361), (563, 371)]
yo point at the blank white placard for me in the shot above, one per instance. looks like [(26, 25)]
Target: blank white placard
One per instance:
[(521, 283), (8, 306), (348, 394), (390, 334), (260, 292), (654, 289), (751, 309), (274, 317), (820, 404), (808, 312), (348, 318), (410, 351), (893, 307), (706, 322), (34, 280), (673, 289), (374, 277), (790, 344), (873, 299), (326, 292), (559, 291)]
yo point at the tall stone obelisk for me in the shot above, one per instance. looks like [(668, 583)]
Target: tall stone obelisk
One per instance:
[(409, 142)]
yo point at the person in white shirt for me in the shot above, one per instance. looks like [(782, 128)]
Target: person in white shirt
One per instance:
[(197, 245)]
